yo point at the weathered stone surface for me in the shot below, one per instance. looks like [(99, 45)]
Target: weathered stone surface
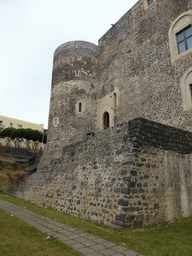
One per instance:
[(114, 193), (131, 80), (129, 74)]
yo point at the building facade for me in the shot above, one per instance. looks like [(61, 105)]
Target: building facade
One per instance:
[(135, 87), (7, 122), (141, 67)]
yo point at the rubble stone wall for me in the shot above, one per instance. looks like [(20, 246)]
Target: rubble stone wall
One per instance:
[(136, 60), (128, 175)]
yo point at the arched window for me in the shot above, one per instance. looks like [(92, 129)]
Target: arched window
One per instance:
[(186, 89), (106, 120), (180, 36), (184, 39)]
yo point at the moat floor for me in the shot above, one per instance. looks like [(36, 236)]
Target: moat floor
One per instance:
[(83, 242)]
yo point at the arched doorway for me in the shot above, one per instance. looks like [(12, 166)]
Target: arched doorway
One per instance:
[(106, 120)]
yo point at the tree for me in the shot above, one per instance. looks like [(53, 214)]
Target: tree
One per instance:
[(17, 135)]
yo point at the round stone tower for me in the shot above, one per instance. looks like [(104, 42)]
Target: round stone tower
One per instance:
[(73, 94)]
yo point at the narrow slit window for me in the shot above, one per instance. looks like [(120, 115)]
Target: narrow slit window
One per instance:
[(190, 87), (114, 100), (184, 39), (80, 106)]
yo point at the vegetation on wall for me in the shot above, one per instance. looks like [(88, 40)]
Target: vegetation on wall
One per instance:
[(11, 174)]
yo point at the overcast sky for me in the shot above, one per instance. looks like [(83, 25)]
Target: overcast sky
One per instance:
[(30, 31)]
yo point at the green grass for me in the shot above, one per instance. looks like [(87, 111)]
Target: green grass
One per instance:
[(18, 238), (157, 240)]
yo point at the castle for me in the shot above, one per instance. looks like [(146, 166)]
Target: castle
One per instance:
[(117, 151)]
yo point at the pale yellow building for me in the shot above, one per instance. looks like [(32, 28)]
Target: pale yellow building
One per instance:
[(7, 122)]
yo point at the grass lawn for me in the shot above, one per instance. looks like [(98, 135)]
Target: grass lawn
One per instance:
[(18, 238), (157, 240)]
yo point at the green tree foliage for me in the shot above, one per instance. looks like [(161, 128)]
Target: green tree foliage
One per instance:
[(27, 134)]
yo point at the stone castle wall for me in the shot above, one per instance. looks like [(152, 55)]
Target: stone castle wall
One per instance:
[(133, 62), (133, 173), (136, 60), (73, 83), (130, 175)]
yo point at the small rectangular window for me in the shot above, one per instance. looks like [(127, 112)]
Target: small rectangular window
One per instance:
[(11, 125), (184, 39), (1, 123)]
